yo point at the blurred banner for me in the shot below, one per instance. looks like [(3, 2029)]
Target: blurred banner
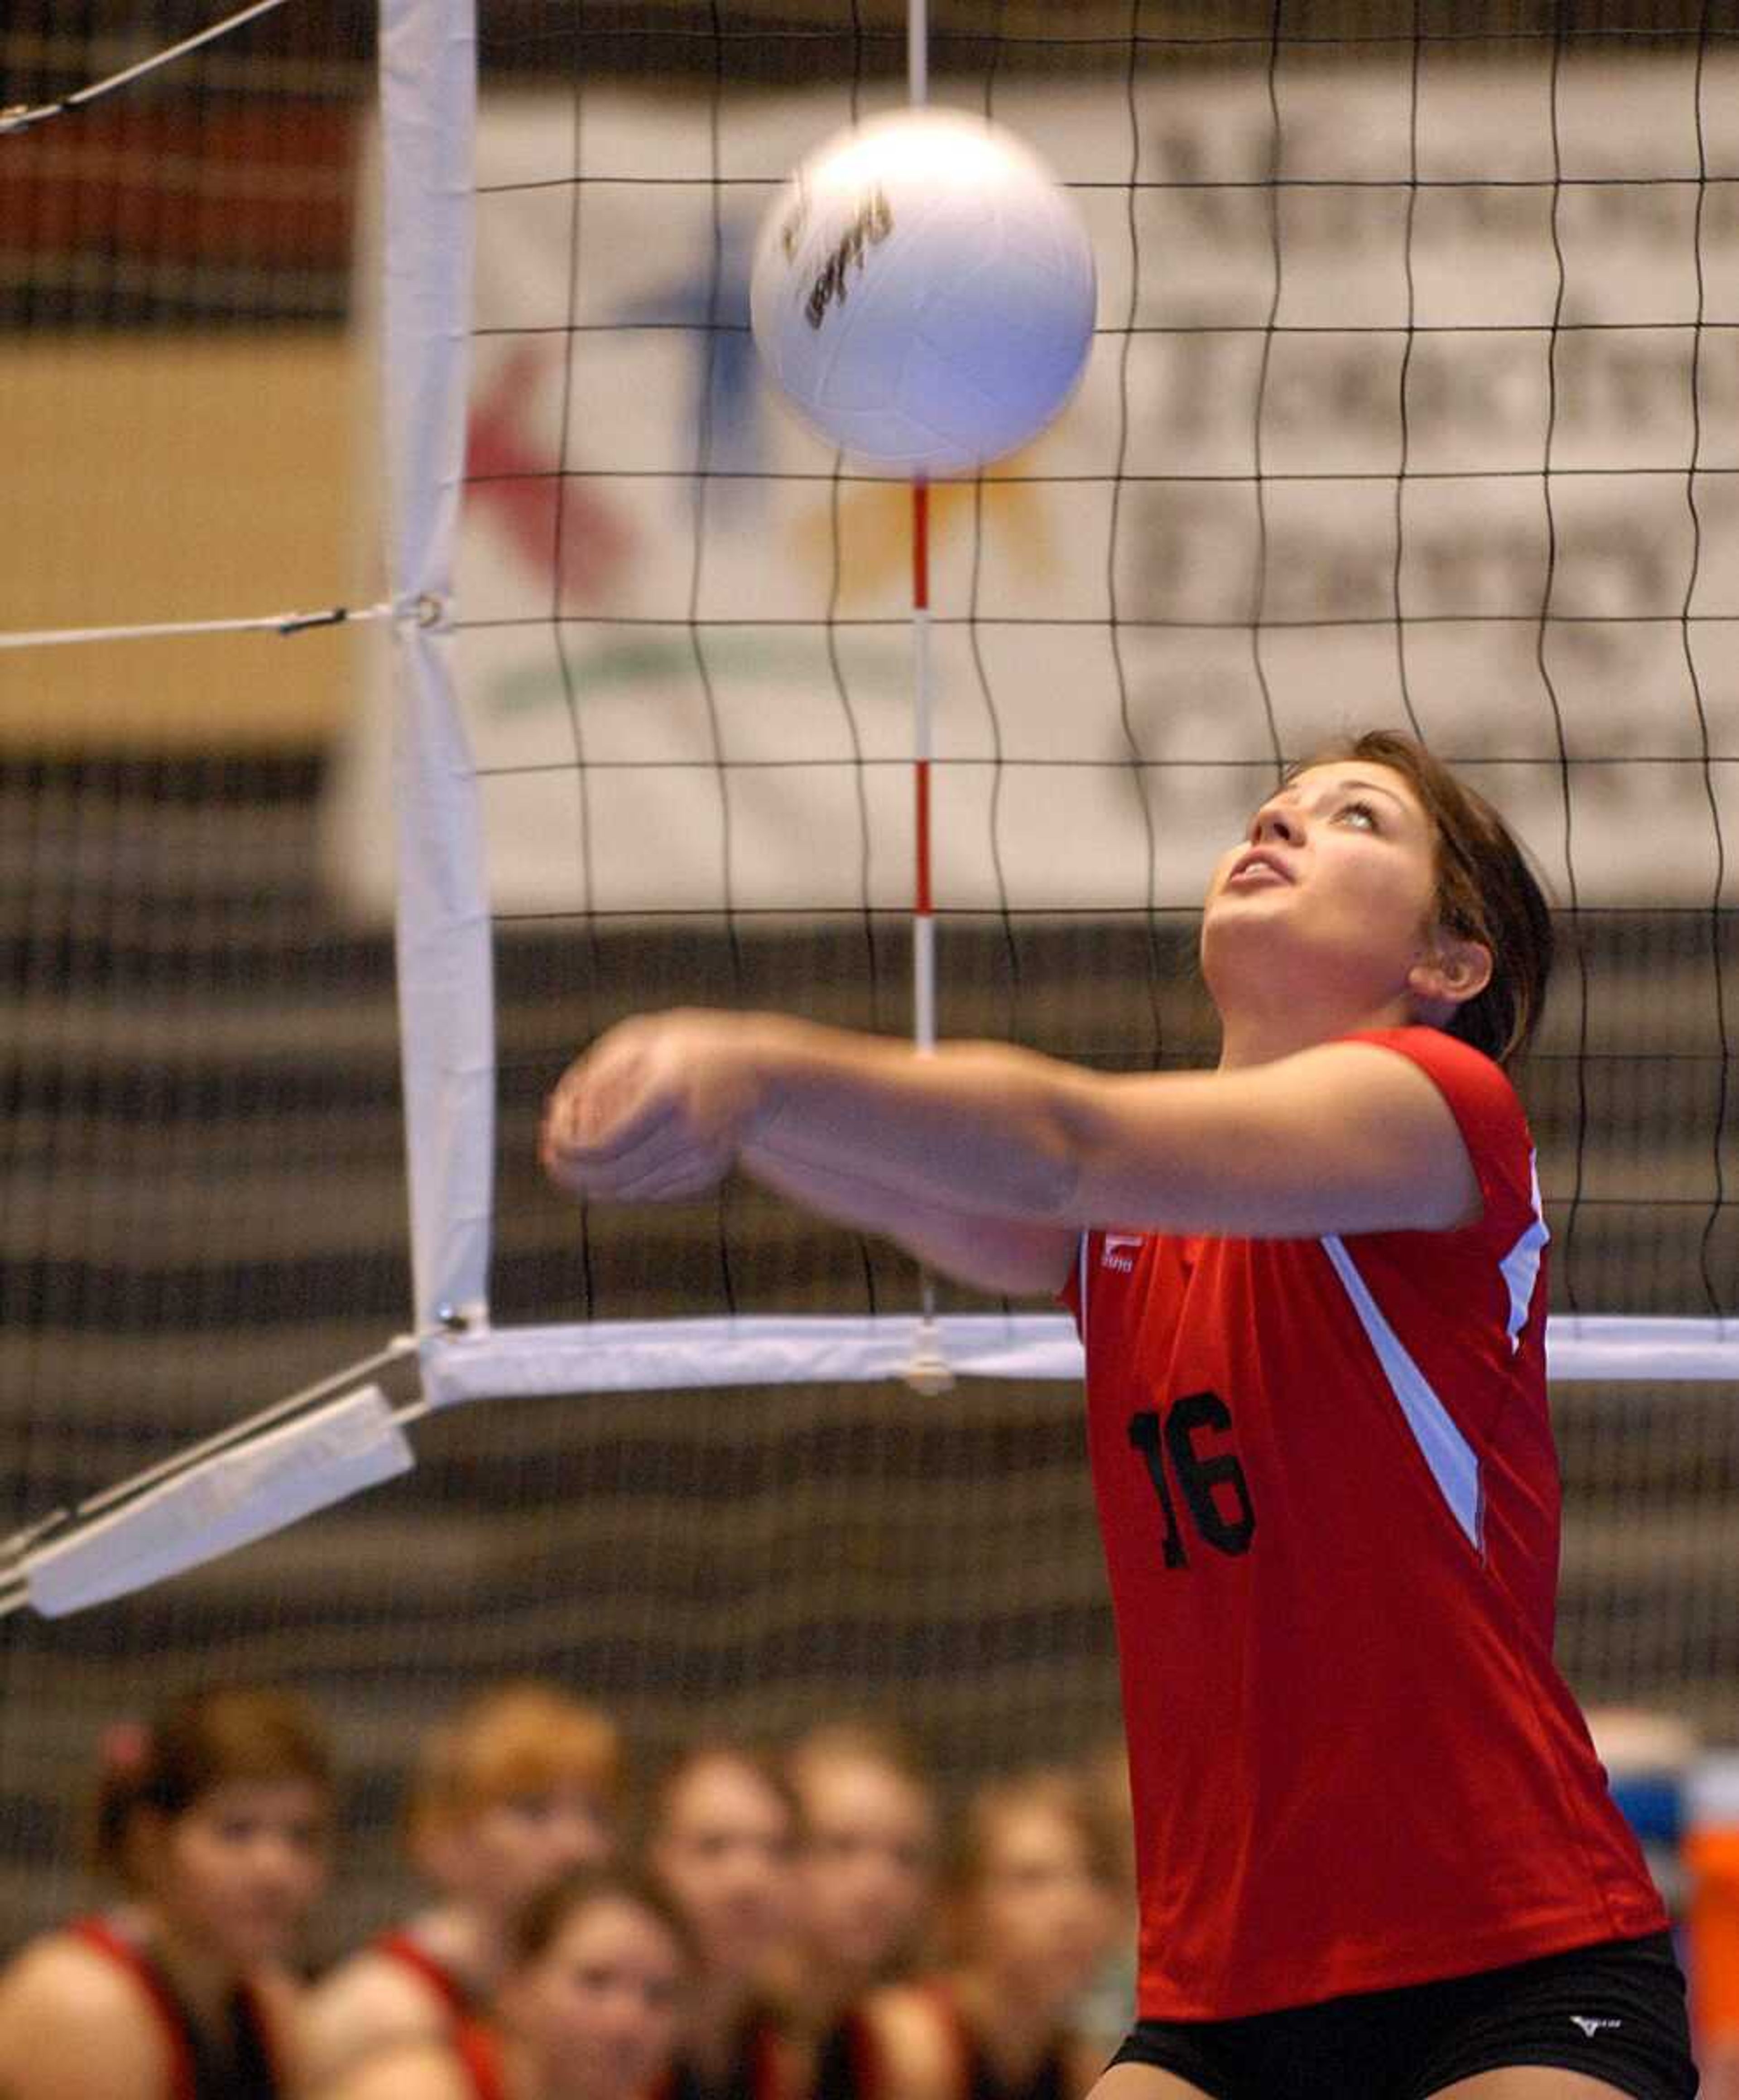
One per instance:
[(689, 687), (181, 396)]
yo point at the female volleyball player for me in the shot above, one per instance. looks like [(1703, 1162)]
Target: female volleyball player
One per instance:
[(866, 1884), (1377, 1855), (214, 1823), (519, 1787), (1026, 1913), (587, 2006)]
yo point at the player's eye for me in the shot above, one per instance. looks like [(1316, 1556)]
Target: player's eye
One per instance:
[(1360, 813)]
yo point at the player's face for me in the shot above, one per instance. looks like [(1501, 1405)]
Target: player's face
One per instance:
[(1331, 894), (864, 1869), (236, 1874), (724, 1850), (599, 2008), (509, 1848), (1042, 1920)]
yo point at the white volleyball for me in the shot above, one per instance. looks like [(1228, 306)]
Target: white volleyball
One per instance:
[(923, 292)]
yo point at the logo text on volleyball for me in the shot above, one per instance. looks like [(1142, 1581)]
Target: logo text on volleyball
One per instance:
[(873, 223)]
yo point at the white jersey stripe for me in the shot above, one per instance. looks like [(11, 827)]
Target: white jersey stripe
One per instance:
[(1454, 1464), (1520, 1265)]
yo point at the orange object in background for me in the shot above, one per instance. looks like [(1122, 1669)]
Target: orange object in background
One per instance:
[(1711, 1858), (1711, 1922)]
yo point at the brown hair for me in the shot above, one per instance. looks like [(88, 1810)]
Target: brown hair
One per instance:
[(205, 1740), (858, 1739), (540, 1923), (1055, 1789), (1485, 892), (514, 1738), (720, 1751)]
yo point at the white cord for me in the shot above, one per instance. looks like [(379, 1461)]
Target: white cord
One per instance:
[(21, 116), (270, 623)]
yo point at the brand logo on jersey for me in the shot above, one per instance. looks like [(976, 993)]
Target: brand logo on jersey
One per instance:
[(1591, 2027), (1118, 1251)]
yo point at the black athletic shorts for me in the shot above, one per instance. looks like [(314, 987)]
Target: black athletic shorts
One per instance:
[(1615, 2011)]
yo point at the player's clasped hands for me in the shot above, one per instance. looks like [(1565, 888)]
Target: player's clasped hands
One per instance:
[(656, 1111)]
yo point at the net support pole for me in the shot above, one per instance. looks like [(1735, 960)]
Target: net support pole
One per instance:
[(428, 63)]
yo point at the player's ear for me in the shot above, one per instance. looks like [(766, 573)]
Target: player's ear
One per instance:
[(1447, 973)]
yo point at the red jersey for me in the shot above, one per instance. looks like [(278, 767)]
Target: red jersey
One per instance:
[(242, 2066), (1329, 1497)]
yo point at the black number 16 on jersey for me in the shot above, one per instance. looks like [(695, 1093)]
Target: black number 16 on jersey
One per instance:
[(1214, 1489)]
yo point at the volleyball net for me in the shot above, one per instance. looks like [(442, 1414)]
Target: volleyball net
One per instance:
[(1414, 399), (1406, 399)]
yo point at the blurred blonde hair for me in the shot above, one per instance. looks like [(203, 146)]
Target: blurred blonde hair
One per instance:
[(520, 1737), (856, 1739), (767, 1770)]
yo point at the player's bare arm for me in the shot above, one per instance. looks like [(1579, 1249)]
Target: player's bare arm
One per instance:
[(1005, 1254), (368, 2003), (1342, 1137), (57, 1989)]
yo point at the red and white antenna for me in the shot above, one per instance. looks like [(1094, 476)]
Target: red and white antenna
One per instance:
[(928, 1371)]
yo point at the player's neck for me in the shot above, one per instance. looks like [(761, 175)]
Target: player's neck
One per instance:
[(1016, 2028), (718, 2007), (203, 1980), (1260, 1035), (467, 1943), (817, 1990)]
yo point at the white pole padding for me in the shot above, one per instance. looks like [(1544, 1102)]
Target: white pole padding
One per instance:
[(629, 1356), (1610, 1349), (231, 1500), (445, 989), (633, 1355)]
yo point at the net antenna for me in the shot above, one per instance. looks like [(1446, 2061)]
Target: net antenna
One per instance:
[(465, 1358), (927, 1370), (343, 1434)]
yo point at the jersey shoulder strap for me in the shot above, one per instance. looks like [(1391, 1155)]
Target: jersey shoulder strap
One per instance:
[(478, 2052), (402, 1947), (99, 1935)]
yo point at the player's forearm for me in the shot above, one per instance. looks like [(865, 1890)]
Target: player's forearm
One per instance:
[(988, 1253), (978, 1127)]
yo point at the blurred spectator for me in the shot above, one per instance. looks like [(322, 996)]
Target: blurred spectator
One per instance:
[(215, 1822), (865, 1883), (520, 1787), (1027, 1912), (586, 2006), (723, 1839), (1107, 2009)]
